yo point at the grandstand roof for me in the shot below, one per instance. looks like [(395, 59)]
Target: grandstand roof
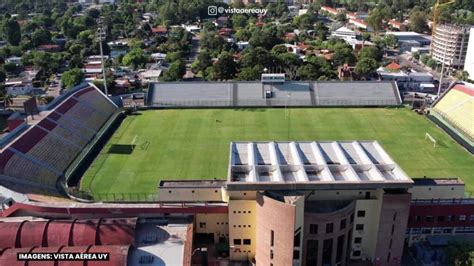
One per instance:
[(67, 233), (304, 93), (311, 165)]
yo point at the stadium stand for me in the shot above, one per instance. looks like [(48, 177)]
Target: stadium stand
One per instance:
[(254, 94), (455, 111), (70, 123)]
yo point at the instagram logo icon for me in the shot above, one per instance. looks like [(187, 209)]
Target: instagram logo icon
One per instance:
[(212, 10)]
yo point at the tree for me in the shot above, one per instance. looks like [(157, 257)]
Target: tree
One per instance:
[(72, 77), (375, 20), (250, 73), (203, 61), (321, 31), (390, 40), (40, 36), (417, 22), (11, 31), (460, 253), (343, 55), (431, 63), (341, 17), (307, 72), (371, 52), (279, 49), (175, 72), (366, 66), (134, 58), (461, 75), (424, 58), (239, 21), (416, 55), (173, 56), (305, 21), (225, 67)]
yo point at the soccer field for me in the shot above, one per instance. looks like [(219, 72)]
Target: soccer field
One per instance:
[(194, 143)]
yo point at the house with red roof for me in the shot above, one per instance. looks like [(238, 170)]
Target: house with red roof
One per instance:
[(160, 30), (330, 10)]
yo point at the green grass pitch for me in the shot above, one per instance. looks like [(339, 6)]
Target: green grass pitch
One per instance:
[(194, 143)]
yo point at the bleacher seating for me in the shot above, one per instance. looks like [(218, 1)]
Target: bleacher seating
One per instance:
[(456, 106), (44, 151)]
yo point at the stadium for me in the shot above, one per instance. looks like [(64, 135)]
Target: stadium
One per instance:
[(224, 158)]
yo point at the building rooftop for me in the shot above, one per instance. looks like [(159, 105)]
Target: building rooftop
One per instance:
[(314, 164)]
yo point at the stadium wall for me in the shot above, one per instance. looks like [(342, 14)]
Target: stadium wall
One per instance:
[(452, 131), (89, 152)]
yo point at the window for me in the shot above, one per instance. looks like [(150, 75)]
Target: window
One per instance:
[(237, 241), (390, 245), (465, 230), (313, 229), (451, 218), (247, 242), (272, 238), (429, 218), (356, 253), (296, 254), (471, 217), (352, 218), (388, 257), (297, 239), (441, 218), (202, 225), (437, 230), (393, 229), (462, 217), (343, 224), (447, 230), (329, 228), (271, 254), (426, 230), (395, 216), (359, 227), (361, 214), (358, 240), (418, 218)]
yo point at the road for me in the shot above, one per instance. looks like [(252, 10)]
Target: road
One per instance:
[(195, 49)]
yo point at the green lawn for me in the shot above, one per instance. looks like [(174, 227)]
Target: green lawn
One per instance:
[(194, 144)]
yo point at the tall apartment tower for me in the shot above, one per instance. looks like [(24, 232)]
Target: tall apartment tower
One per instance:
[(469, 64), (449, 44)]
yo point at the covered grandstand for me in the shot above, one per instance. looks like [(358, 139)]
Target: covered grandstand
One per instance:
[(39, 152), (454, 112), (128, 241), (256, 94)]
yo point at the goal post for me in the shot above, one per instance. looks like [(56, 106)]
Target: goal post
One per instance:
[(134, 141), (430, 138)]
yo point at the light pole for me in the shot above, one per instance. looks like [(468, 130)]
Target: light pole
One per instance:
[(287, 113), (101, 38)]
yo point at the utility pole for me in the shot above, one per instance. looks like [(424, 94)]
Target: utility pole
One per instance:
[(101, 38)]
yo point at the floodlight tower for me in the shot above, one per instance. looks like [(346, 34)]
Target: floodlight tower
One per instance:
[(101, 38)]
